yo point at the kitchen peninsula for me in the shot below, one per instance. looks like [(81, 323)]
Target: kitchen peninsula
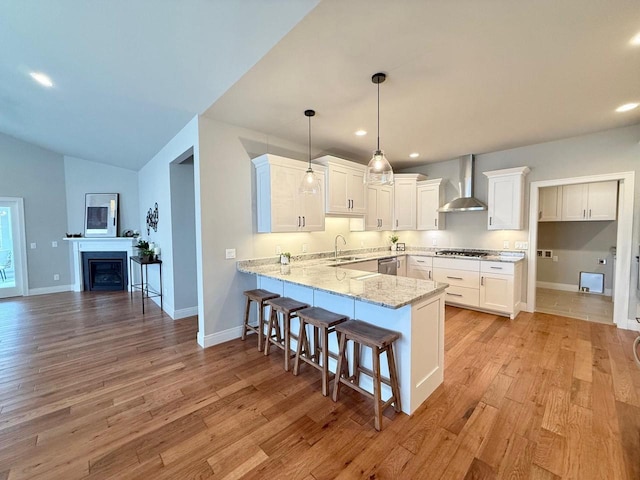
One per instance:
[(412, 307)]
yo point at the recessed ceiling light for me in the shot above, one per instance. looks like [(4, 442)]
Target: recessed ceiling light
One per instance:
[(635, 40), (361, 133), (414, 155), (42, 79), (626, 107)]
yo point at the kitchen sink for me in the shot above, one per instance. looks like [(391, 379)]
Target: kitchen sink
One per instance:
[(339, 260)]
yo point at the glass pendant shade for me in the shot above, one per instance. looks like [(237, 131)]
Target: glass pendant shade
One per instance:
[(379, 171), (310, 184)]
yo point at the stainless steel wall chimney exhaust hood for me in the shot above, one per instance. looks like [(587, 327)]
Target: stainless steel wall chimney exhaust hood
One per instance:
[(465, 202)]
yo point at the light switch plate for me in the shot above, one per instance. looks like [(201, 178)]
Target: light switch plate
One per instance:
[(54, 244), (230, 253), (278, 250), (33, 245), (305, 247), (505, 244)]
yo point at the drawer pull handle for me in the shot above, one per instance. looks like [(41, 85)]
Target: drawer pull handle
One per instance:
[(454, 294), (496, 268), (455, 278)]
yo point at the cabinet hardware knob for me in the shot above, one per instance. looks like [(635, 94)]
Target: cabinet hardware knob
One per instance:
[(454, 278), (482, 281), (589, 213), (304, 222), (298, 221), (454, 294), (436, 222), (490, 220)]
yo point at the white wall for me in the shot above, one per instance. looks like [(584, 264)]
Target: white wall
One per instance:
[(84, 176), (154, 186), (38, 176)]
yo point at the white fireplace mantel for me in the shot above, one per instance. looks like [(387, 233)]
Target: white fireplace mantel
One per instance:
[(98, 244)]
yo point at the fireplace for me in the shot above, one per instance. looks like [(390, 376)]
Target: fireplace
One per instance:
[(105, 271)]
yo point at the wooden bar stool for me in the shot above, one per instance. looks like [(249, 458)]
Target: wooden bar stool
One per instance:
[(379, 340), (323, 323), (259, 296), (287, 308)]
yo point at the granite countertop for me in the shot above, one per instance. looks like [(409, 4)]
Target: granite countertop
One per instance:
[(385, 290), (321, 272)]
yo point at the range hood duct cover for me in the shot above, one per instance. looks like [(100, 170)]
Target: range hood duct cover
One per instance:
[(466, 201)]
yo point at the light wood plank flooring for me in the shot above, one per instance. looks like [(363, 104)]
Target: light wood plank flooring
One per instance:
[(90, 388)]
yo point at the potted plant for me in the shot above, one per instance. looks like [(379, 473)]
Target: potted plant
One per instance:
[(394, 239), (285, 258), (145, 251)]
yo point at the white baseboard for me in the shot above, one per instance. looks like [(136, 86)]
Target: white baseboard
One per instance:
[(185, 312), (206, 341), (632, 324), (47, 290)]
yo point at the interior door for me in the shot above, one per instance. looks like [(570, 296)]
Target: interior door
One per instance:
[(12, 274)]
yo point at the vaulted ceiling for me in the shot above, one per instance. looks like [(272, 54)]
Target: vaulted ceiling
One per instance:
[(463, 76)]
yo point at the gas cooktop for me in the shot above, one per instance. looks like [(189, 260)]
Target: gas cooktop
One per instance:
[(462, 253)]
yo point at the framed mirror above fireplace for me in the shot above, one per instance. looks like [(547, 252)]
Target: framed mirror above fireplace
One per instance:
[(101, 215)]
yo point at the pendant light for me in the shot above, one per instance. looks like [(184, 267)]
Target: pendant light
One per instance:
[(379, 171), (310, 183)]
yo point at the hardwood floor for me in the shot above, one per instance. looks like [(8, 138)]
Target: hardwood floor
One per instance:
[(91, 388)]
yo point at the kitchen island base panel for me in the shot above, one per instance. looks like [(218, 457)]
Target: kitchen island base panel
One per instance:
[(419, 351)]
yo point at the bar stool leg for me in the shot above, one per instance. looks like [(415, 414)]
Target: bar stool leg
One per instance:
[(246, 319), (325, 362), (273, 320), (261, 306), (393, 376), (376, 388), (342, 363), (286, 324), (356, 363), (302, 338)]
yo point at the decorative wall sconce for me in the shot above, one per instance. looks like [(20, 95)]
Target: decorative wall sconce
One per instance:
[(152, 219)]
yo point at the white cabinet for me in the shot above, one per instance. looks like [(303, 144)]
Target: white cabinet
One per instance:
[(344, 185), (506, 198), (379, 207), (463, 277), (590, 201), (420, 267), (402, 265), (550, 204), (280, 207), (404, 200), (501, 287), (430, 197)]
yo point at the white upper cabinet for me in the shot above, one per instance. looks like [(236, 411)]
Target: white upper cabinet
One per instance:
[(590, 201), (280, 207), (404, 200), (379, 207), (506, 198), (550, 204), (430, 197), (344, 186)]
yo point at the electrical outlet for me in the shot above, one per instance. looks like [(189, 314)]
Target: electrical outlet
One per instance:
[(555, 258), (33, 245), (56, 277), (524, 245), (54, 244), (278, 250), (434, 242), (230, 253), (305, 247), (602, 261), (505, 244)]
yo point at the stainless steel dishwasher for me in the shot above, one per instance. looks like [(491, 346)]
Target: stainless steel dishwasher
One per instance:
[(388, 266)]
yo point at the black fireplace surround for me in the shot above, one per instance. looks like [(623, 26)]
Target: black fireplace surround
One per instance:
[(104, 271)]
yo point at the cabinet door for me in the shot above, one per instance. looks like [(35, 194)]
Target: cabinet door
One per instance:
[(404, 212), (496, 292), (371, 219), (285, 216), (311, 208), (428, 200), (337, 187), (504, 204), (602, 201), (356, 191), (550, 204), (574, 205), (385, 207)]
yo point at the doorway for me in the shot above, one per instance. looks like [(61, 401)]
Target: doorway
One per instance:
[(623, 235), (13, 272)]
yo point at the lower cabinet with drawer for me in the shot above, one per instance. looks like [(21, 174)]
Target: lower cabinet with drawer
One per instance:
[(485, 285), (419, 267), (501, 287)]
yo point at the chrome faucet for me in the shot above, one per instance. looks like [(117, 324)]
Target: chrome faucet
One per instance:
[(335, 252)]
